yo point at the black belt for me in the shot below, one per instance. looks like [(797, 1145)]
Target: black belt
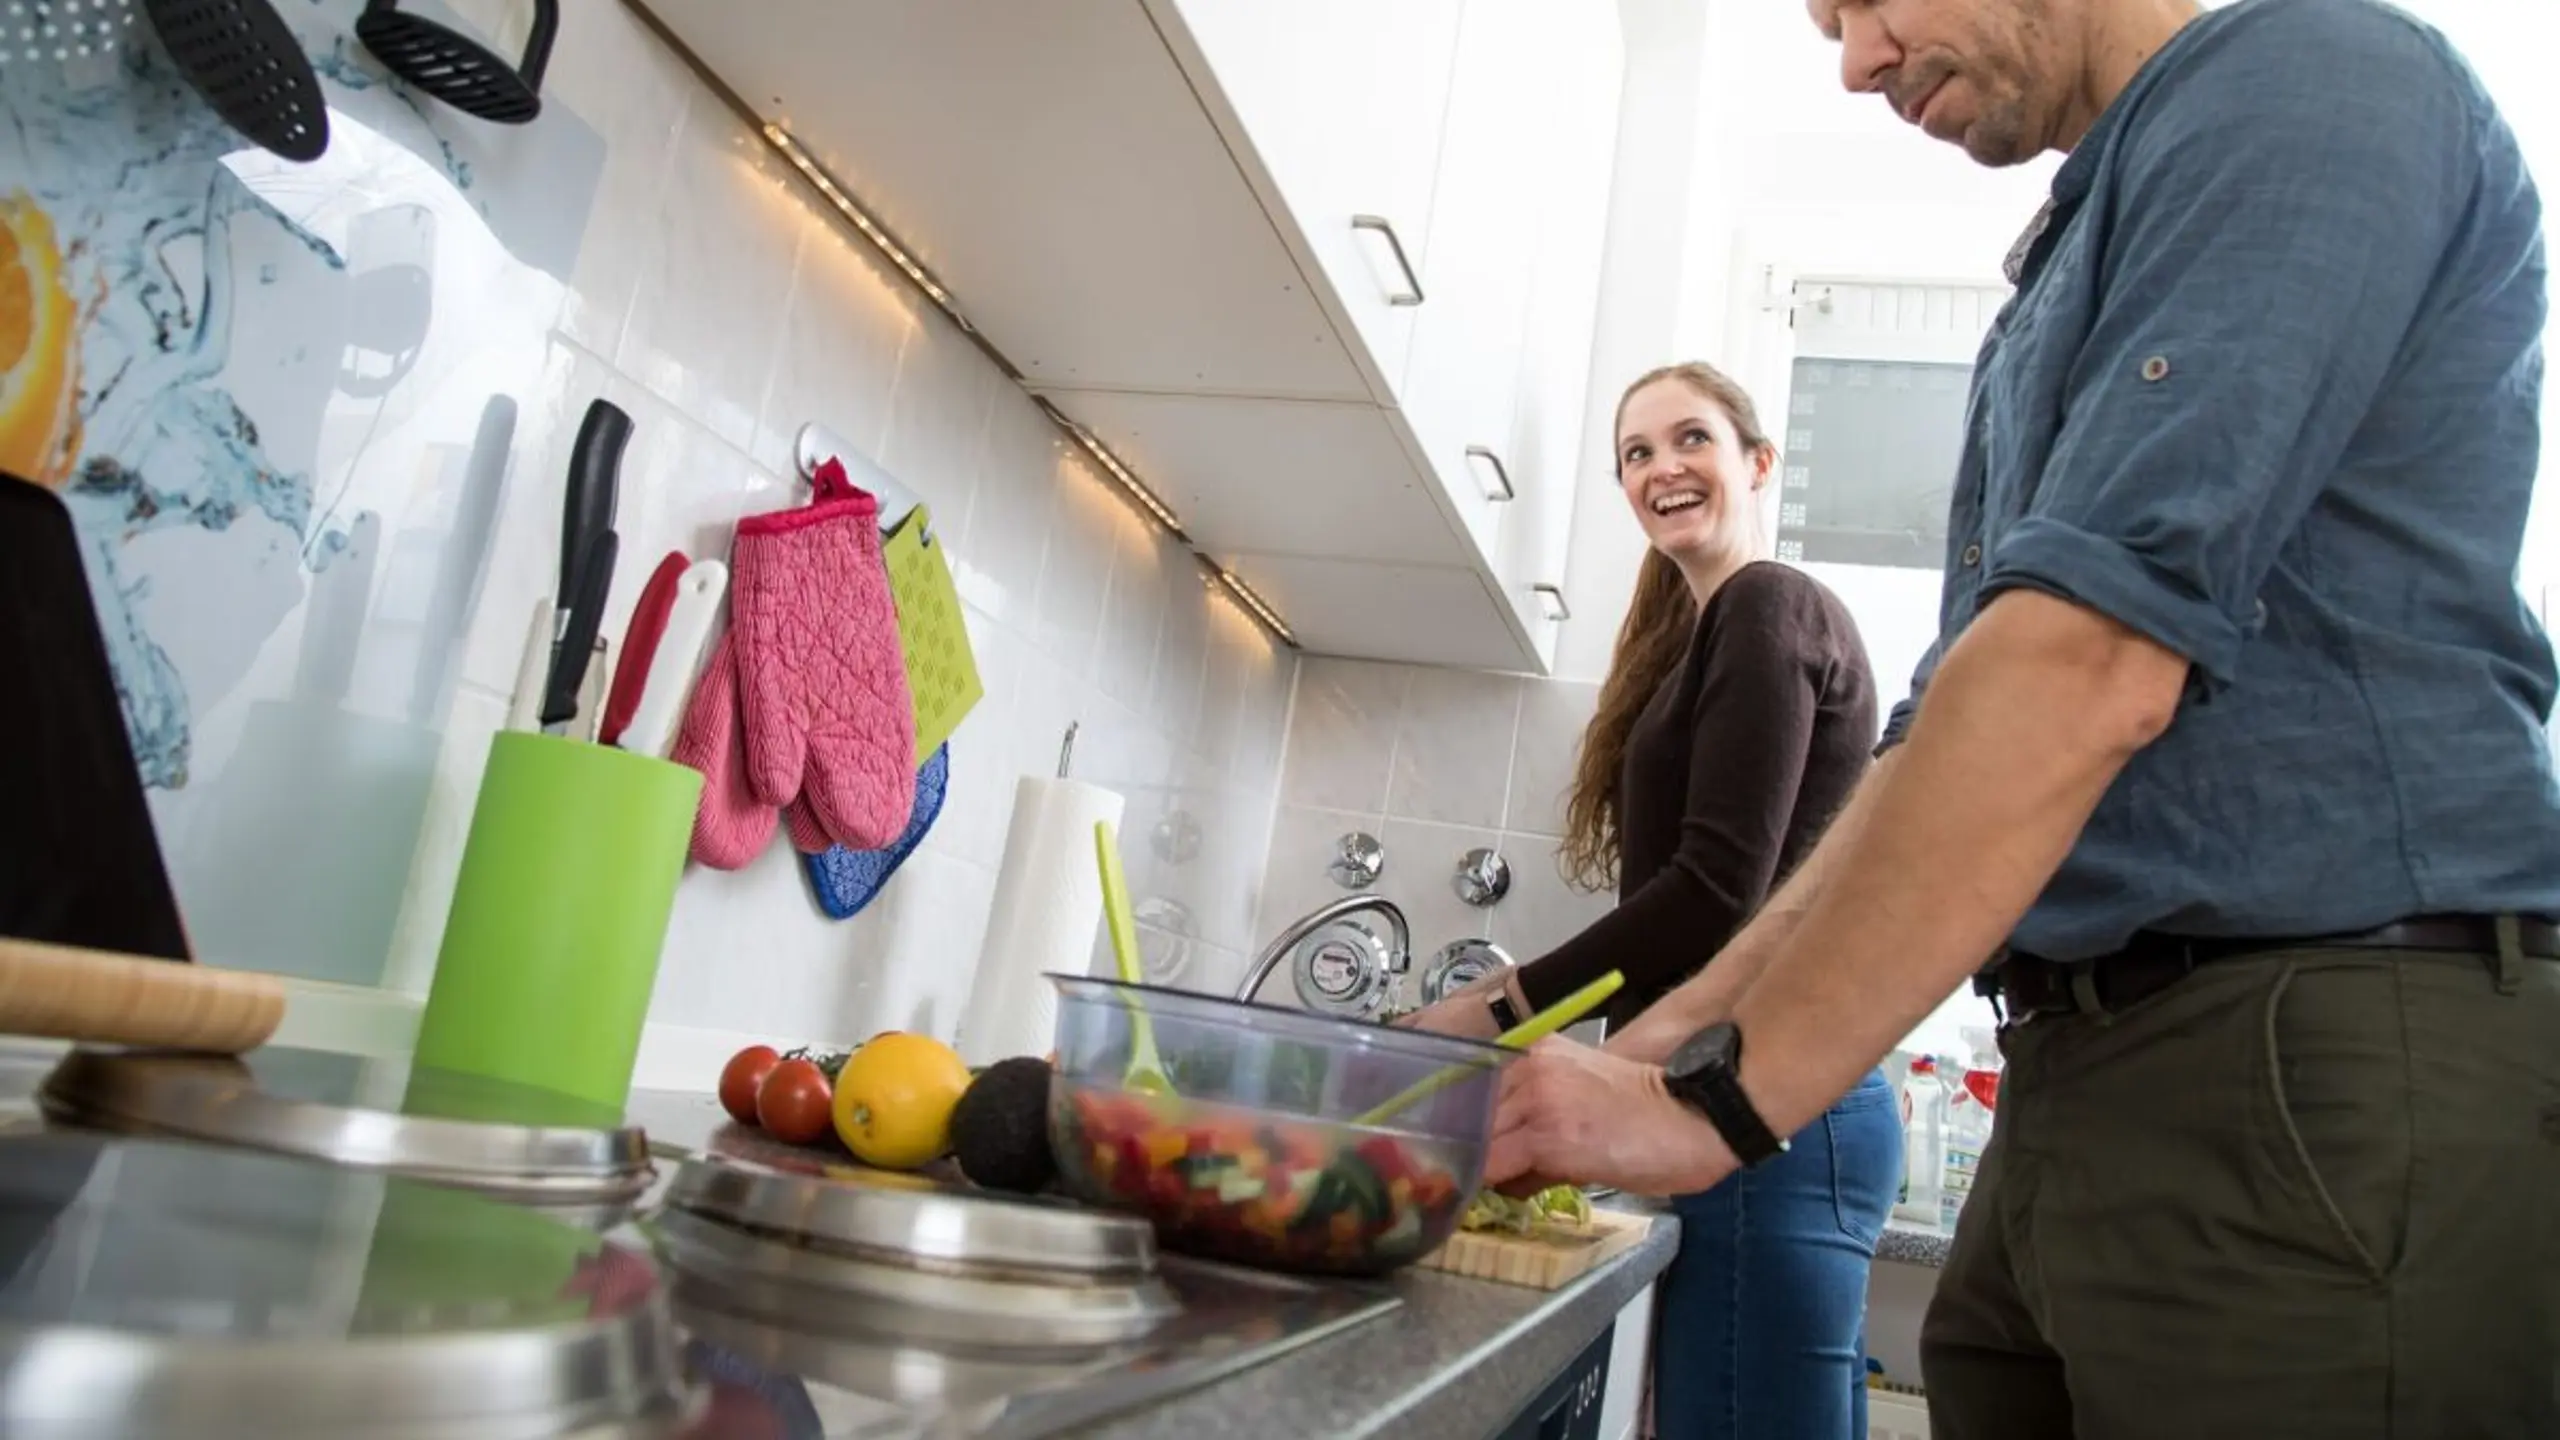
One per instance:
[(2032, 985)]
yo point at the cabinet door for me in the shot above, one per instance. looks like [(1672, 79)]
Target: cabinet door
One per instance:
[(1342, 100), (1551, 454), (1461, 385)]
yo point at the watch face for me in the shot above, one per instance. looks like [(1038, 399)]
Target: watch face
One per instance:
[(1716, 1047)]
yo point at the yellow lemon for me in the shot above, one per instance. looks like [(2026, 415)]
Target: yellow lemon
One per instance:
[(894, 1099), (39, 349)]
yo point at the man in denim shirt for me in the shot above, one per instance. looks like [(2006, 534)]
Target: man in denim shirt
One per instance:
[(2229, 759)]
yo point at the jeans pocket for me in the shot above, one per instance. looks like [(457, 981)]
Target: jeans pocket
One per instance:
[(1864, 1133), (2335, 1072)]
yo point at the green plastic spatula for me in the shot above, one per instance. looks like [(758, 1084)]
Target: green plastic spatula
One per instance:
[(1519, 1037), (1146, 1072)]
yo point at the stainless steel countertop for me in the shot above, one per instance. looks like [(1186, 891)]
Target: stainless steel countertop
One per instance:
[(1459, 1359)]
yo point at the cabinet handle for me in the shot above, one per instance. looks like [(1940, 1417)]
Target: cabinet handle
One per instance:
[(1501, 474), (1412, 282), (1553, 595)]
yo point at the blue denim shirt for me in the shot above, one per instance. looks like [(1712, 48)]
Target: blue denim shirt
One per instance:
[(2268, 393)]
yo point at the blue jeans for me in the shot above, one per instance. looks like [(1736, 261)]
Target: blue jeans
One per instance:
[(1762, 1327)]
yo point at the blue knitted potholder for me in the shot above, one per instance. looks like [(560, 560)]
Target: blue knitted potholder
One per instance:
[(846, 880)]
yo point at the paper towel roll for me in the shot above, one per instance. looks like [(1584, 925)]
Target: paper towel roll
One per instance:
[(1048, 910)]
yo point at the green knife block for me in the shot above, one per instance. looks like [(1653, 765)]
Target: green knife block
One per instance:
[(551, 946)]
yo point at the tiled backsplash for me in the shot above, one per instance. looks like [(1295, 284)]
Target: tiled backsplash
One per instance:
[(1434, 763), (723, 309)]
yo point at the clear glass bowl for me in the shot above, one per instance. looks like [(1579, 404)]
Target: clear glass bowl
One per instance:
[(1255, 1157)]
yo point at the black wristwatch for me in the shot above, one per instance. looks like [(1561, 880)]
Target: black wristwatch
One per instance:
[(1506, 1016), (1705, 1074)]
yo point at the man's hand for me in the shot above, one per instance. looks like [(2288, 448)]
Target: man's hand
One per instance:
[(1572, 1114)]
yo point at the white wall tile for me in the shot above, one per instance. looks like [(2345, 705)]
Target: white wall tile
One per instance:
[(715, 277), (1421, 860), (1542, 911), (1453, 747), (1077, 573), (1552, 716), (1232, 641), (1294, 881), (635, 93), (1222, 885), (1050, 699), (997, 556), (835, 350), (937, 433), (1342, 735), (1133, 612), (1262, 719), (749, 950), (1182, 650), (929, 923)]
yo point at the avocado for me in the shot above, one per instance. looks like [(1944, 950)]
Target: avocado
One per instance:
[(1000, 1128)]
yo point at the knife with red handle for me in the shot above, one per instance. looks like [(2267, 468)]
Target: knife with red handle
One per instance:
[(639, 645)]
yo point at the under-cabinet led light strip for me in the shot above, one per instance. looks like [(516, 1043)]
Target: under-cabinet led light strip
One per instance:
[(1147, 499), (1138, 491), (825, 184), (1253, 603)]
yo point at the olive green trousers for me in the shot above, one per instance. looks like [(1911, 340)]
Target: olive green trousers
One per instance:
[(2308, 1193)]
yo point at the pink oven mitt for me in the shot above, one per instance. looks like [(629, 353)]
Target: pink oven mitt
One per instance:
[(822, 682), (803, 708), (730, 826)]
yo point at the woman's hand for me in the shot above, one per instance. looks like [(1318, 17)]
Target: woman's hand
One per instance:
[(1464, 1012)]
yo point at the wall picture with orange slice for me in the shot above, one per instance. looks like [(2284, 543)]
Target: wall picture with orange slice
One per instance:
[(39, 348)]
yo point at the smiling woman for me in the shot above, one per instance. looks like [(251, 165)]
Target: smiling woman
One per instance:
[(1736, 717)]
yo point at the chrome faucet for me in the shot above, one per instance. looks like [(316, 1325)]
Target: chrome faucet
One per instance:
[(1287, 940)]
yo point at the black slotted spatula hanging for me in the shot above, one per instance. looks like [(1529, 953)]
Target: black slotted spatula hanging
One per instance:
[(457, 69), (240, 56)]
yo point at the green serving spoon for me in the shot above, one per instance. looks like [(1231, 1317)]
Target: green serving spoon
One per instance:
[(1519, 1037), (1146, 1072)]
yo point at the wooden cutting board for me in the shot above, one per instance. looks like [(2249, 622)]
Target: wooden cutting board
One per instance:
[(1544, 1262), (99, 998)]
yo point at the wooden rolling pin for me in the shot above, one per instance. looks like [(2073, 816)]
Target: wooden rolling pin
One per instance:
[(108, 999)]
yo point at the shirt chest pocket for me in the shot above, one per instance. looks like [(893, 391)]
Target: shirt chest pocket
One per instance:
[(2020, 414)]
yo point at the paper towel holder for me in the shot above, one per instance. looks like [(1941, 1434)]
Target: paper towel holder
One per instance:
[(1067, 748)]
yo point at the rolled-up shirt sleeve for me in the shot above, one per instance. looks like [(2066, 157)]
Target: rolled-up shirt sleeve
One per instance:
[(2270, 249)]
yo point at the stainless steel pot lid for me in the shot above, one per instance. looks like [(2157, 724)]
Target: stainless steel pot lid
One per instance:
[(170, 1290), (910, 1221), (761, 1273), (485, 1135)]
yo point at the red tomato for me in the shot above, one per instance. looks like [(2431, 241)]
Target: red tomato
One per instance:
[(743, 1077), (795, 1106)]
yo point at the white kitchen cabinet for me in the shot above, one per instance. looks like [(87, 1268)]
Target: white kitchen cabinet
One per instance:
[(1461, 384), (1345, 102), (1309, 269), (1550, 457)]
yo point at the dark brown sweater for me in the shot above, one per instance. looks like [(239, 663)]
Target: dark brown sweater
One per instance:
[(1731, 773)]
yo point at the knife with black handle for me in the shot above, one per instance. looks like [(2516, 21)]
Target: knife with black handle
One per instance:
[(587, 507), (578, 644)]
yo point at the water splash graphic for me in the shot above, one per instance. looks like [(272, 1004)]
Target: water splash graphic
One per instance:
[(134, 167)]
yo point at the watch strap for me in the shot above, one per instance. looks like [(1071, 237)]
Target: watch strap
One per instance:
[(1714, 1090), (1506, 1016)]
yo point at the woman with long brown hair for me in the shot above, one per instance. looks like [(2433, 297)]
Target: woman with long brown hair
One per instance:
[(1738, 713)]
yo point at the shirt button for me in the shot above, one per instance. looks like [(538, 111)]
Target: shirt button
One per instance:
[(1972, 556), (2156, 368)]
